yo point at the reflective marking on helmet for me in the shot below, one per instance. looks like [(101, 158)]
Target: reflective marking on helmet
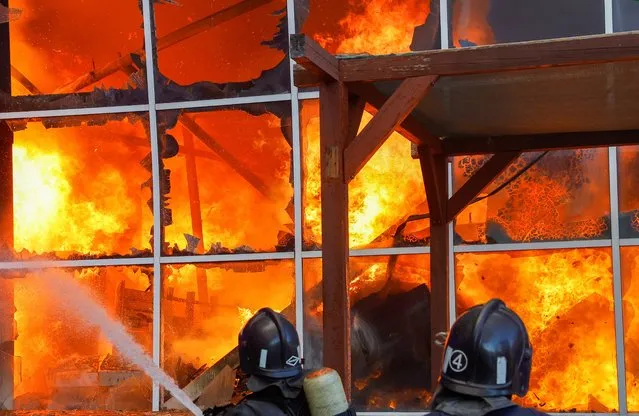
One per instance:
[(449, 351), (263, 355), (458, 361), (502, 365), (293, 361)]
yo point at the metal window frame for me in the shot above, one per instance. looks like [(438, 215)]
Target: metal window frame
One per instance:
[(298, 254)]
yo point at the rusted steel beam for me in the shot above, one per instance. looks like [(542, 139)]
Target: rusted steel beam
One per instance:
[(454, 146), (334, 129), (482, 59), (308, 53), (411, 127), (390, 115), (434, 169), (477, 182)]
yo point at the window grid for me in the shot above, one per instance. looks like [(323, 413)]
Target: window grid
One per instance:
[(298, 254)]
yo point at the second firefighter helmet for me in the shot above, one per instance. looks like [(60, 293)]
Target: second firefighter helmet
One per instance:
[(269, 346), (487, 353)]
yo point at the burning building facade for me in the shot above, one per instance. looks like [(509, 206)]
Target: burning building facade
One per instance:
[(184, 191)]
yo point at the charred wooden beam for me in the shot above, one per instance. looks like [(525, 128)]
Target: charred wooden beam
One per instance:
[(308, 53), (356, 106), (390, 115), (476, 183), (454, 146), (434, 170), (231, 160), (334, 129), (482, 59), (411, 127)]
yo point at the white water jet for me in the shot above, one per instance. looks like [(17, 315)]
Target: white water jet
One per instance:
[(76, 298)]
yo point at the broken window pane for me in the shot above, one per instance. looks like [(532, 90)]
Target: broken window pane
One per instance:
[(62, 358), (204, 308), (558, 195), (390, 361), (565, 298), (61, 51), (376, 27), (221, 49), (370, 26), (629, 275), (81, 188), (228, 161), (628, 168), (382, 197), (484, 22), (625, 15)]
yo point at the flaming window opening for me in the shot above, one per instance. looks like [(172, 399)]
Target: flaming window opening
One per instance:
[(82, 192)]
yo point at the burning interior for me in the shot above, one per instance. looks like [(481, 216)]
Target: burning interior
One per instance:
[(82, 191)]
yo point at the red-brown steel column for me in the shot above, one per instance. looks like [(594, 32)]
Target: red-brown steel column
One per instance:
[(334, 131), (7, 335)]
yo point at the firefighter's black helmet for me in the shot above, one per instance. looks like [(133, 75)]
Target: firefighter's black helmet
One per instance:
[(488, 353), (269, 346)]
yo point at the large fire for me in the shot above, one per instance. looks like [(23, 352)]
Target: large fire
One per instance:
[(78, 191), (386, 190), (566, 301)]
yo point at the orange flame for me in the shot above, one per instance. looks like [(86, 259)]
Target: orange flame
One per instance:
[(360, 34), (377, 199), (566, 301)]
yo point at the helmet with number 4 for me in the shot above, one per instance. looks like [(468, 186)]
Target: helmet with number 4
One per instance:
[(487, 353)]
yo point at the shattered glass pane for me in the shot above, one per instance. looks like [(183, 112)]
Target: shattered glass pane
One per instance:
[(218, 166), (50, 371), (554, 196), (73, 53), (221, 49), (80, 190), (370, 26), (485, 22), (390, 361), (383, 212), (205, 306)]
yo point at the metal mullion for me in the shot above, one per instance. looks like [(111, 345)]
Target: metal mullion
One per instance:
[(147, 13), (608, 16), (617, 282), (452, 286), (223, 258), (52, 264), (629, 242), (297, 187), (223, 102), (74, 112), (308, 95), (543, 245)]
